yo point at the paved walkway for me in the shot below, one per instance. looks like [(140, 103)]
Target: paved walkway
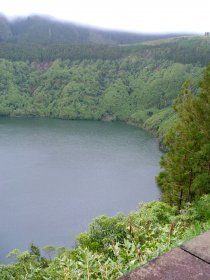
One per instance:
[(189, 262)]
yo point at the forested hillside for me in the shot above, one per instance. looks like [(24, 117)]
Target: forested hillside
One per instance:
[(134, 89), (135, 83)]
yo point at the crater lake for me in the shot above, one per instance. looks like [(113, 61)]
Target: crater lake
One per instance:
[(56, 175)]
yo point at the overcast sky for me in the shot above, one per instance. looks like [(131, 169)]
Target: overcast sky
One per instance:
[(131, 15)]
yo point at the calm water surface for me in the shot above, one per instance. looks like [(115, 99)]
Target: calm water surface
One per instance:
[(56, 175)]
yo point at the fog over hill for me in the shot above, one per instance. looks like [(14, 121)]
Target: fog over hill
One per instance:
[(45, 30)]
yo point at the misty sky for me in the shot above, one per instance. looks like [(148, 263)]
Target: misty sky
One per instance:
[(131, 15)]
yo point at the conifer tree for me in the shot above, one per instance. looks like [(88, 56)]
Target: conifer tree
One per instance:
[(186, 166)]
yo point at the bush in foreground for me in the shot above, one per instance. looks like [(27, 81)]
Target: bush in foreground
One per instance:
[(114, 245)]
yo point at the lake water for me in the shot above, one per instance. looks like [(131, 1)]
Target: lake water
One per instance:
[(56, 175)]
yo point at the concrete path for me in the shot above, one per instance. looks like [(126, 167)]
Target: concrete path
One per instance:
[(189, 262)]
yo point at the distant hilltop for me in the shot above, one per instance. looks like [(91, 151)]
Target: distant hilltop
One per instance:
[(45, 30)]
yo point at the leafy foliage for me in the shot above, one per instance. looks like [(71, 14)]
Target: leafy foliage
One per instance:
[(66, 71), (114, 245), (136, 89)]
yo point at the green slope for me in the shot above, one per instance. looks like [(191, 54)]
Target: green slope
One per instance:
[(136, 89), (65, 74)]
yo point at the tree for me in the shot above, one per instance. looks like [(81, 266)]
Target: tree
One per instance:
[(186, 166)]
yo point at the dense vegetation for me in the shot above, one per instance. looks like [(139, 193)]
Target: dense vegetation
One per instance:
[(66, 75), (113, 245), (45, 39), (137, 88), (57, 70)]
